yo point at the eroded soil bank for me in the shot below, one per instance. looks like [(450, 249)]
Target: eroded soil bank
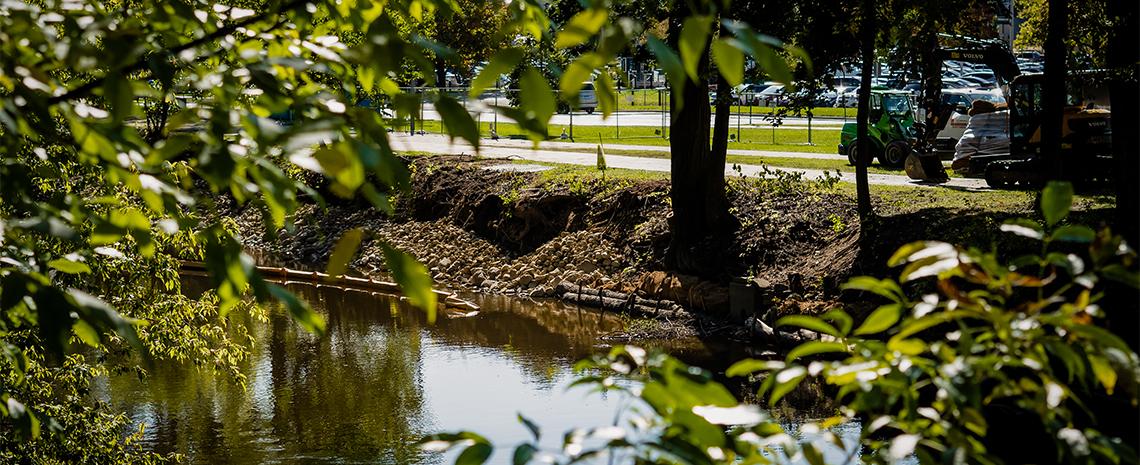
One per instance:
[(524, 233)]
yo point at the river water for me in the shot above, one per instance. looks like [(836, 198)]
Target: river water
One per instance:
[(380, 379)]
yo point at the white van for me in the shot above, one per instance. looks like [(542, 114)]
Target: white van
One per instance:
[(587, 98)]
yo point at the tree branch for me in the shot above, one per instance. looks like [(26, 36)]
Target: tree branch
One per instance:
[(86, 89)]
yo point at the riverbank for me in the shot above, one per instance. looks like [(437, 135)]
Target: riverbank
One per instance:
[(480, 228)]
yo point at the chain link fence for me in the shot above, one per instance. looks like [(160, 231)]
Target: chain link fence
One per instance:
[(641, 114)]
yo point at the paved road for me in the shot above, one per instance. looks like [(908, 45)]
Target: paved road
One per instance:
[(523, 151), (645, 118)]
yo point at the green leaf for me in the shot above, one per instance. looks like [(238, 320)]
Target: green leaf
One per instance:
[(1104, 372), (1024, 228), (916, 251), (501, 63), (1120, 274), (86, 333), (607, 94), (808, 322), (475, 454), (841, 318), (343, 251), (577, 74), (749, 366), (694, 36), (880, 320), (729, 60), (1056, 200), (523, 454), (581, 27), (69, 266), (1074, 233), (457, 120), (331, 161), (299, 309), (101, 316), (785, 382), (413, 279), (816, 347), (668, 60), (885, 287), (531, 426), (117, 91)]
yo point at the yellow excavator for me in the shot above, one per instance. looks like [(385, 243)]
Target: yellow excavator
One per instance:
[(1086, 150)]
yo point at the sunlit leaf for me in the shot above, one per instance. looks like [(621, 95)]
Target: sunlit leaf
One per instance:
[(1056, 200), (729, 60), (808, 322), (880, 320), (458, 121), (298, 309), (69, 266), (694, 36), (581, 27), (607, 94), (343, 251), (1023, 228), (810, 348), (413, 278), (749, 366), (500, 64)]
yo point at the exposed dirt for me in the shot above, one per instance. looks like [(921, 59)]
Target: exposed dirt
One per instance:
[(523, 233)]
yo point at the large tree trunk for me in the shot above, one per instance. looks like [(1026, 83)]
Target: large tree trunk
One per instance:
[(930, 63), (862, 187), (1124, 90), (720, 120), (1053, 97), (700, 207)]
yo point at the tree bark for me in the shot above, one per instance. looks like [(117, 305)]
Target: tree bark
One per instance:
[(1053, 104), (931, 69), (862, 186), (700, 206), (720, 120), (1124, 90)]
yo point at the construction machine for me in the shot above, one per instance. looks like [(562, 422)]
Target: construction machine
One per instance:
[(1086, 140), (891, 129)]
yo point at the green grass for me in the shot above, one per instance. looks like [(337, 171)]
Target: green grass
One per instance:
[(790, 140), (888, 200), (648, 100)]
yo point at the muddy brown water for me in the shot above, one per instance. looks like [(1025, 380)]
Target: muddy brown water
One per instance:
[(380, 379)]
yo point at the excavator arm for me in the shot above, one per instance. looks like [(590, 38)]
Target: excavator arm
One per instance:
[(991, 53)]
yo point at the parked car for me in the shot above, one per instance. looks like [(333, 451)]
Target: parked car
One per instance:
[(749, 94), (587, 98), (771, 96)]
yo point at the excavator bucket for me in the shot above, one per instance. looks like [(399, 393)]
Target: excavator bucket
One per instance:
[(925, 168)]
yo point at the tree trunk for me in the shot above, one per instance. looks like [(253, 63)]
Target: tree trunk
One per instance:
[(862, 186), (720, 120), (931, 69), (1124, 90), (1053, 97), (700, 207)]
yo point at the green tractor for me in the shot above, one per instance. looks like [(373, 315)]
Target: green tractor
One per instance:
[(890, 128)]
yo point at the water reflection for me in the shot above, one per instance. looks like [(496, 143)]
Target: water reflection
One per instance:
[(380, 379), (377, 381)]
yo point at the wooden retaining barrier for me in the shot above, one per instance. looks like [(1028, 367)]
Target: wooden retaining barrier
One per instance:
[(446, 299)]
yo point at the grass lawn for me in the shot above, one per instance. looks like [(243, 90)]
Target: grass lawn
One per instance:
[(790, 140), (648, 100), (888, 200)]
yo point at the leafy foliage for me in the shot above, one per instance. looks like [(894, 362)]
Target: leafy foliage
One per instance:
[(986, 345), (990, 342)]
